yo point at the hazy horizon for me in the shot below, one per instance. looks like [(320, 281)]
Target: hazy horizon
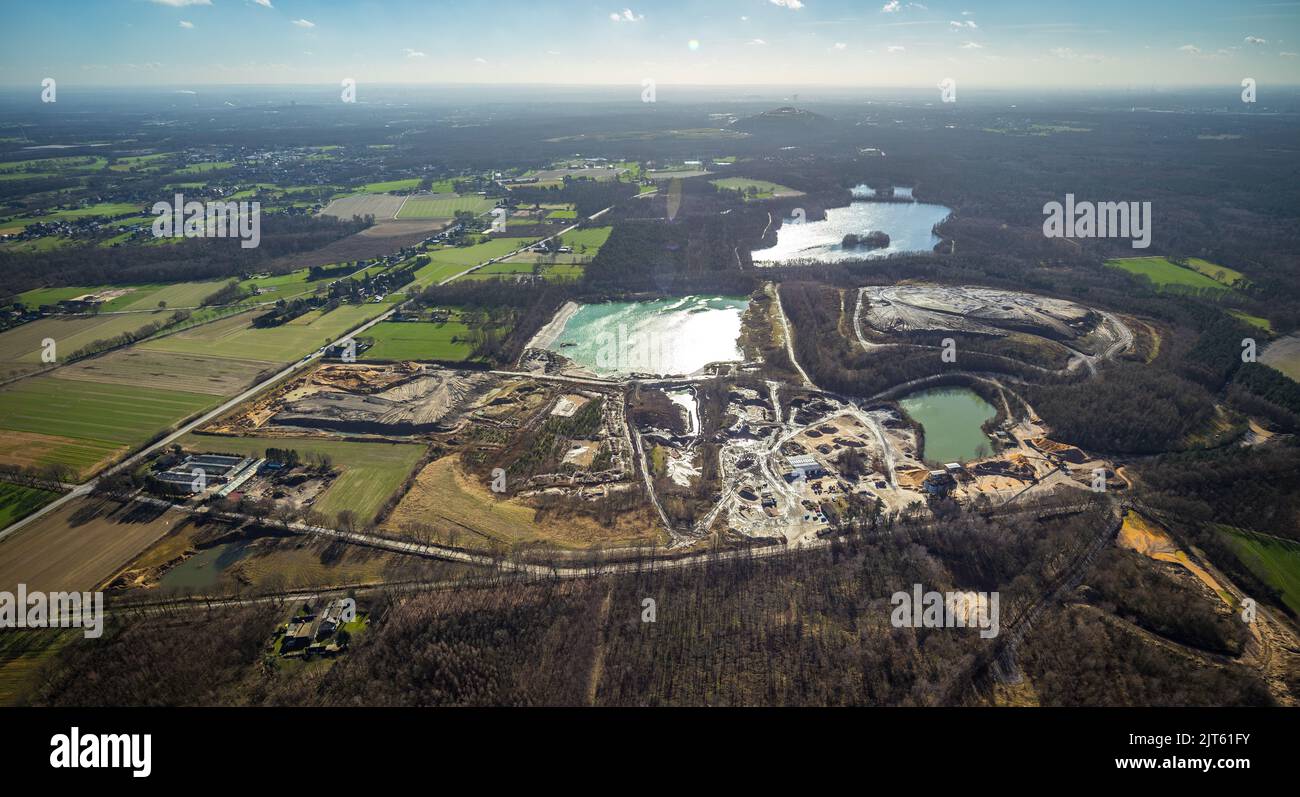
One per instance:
[(823, 43)]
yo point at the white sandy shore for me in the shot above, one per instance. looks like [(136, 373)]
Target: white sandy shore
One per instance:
[(547, 335)]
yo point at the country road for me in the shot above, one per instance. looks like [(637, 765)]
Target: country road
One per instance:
[(499, 566), (789, 340), (230, 404)]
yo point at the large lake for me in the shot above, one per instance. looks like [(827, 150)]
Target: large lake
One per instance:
[(668, 336), (952, 418), (910, 226)]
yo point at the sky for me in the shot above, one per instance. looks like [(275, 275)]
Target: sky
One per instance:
[(1006, 43)]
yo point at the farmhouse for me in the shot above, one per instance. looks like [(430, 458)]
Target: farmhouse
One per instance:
[(197, 473)]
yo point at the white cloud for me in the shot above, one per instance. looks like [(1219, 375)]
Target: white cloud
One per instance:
[(896, 48), (183, 3), (793, 5), (627, 16), (970, 23), (1289, 55), (1190, 48), (840, 46), (412, 53), (304, 23), (890, 7), (972, 46), (480, 60), (1255, 40), (264, 3), (187, 25), (757, 42)]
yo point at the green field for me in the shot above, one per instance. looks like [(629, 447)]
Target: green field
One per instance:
[(562, 271), (390, 185), (762, 189), (90, 420), (134, 297), (370, 471), (17, 501), (513, 267), (101, 209), (295, 283), (7, 176), (1220, 274), (450, 260), (63, 163), (586, 241), (1164, 273), (450, 341), (132, 162), (205, 167), (235, 337), (1274, 561), (1253, 320), (443, 206), (47, 243)]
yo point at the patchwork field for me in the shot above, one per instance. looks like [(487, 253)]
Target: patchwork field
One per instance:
[(20, 347), (449, 261), (371, 472), (18, 501), (294, 283), (82, 424), (235, 337), (450, 341), (442, 206), (129, 297), (217, 376)]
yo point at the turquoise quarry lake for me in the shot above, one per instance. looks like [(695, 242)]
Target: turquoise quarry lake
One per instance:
[(668, 336), (952, 418)]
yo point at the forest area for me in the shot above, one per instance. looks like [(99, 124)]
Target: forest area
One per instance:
[(809, 628)]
